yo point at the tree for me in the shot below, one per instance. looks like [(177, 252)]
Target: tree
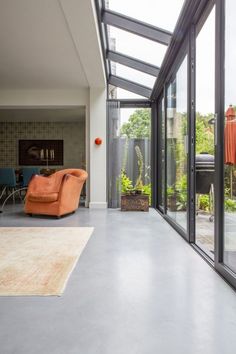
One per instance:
[(204, 134), (138, 125)]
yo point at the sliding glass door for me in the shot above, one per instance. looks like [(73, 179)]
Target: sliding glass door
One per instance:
[(176, 146), (229, 244), (204, 134), (197, 138)]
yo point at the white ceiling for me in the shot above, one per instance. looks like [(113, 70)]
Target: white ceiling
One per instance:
[(55, 114), (42, 47)]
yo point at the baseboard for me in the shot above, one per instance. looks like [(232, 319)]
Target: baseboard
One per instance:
[(98, 205)]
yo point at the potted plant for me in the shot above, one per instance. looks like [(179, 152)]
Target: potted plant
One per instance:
[(133, 198)]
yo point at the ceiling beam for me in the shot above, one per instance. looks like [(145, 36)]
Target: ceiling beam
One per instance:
[(103, 35), (130, 86), (133, 63), (135, 103), (137, 27)]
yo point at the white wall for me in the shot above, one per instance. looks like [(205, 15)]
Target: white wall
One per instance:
[(11, 98), (98, 198), (94, 99)]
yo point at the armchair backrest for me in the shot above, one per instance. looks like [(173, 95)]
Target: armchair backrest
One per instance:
[(82, 174), (53, 183)]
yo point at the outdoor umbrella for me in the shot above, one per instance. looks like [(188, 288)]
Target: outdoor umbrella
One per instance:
[(230, 136), (230, 141)]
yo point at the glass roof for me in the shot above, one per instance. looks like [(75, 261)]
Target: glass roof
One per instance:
[(159, 13), (121, 93), (136, 46), (133, 75), (162, 14)]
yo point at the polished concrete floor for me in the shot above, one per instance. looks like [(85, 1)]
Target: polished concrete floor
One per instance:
[(138, 288)]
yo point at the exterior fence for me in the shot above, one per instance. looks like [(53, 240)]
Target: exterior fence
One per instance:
[(122, 155)]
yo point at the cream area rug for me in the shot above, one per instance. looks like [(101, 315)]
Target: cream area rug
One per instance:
[(39, 260)]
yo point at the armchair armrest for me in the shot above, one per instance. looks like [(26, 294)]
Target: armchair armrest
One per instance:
[(70, 190), (69, 183)]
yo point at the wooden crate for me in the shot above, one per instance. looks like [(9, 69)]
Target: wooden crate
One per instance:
[(137, 202)]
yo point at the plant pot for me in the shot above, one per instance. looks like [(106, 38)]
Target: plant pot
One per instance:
[(138, 192), (136, 202), (172, 203)]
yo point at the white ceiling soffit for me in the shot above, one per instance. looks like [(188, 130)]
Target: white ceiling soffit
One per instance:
[(55, 114), (82, 21), (39, 49)]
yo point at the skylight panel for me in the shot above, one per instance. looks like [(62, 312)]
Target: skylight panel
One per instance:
[(136, 46), (133, 75), (159, 13)]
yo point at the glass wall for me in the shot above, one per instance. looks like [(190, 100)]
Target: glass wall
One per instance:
[(230, 138), (211, 158), (204, 135), (176, 159)]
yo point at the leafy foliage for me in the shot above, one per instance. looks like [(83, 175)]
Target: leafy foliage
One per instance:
[(147, 190), (204, 134), (204, 202), (178, 193), (126, 183), (138, 125), (182, 193), (230, 205)]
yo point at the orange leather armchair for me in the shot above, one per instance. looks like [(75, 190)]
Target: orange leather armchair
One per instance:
[(57, 194)]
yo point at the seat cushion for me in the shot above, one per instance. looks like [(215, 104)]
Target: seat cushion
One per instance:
[(43, 198)]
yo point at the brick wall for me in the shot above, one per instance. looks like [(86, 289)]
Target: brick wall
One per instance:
[(73, 135)]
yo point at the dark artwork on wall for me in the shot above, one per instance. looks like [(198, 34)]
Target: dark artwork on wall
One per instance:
[(40, 152)]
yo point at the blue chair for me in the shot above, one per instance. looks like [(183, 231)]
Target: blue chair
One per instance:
[(7, 177), (8, 183), (8, 180), (27, 173)]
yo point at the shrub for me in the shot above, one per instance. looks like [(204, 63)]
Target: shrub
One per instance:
[(126, 183), (204, 203), (147, 190), (230, 205)]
